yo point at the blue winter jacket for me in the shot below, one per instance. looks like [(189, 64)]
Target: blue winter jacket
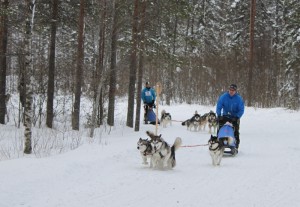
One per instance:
[(148, 95), (233, 106)]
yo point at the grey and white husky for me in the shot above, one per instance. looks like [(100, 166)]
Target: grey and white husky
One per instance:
[(145, 148), (193, 122), (212, 122), (163, 155), (165, 119)]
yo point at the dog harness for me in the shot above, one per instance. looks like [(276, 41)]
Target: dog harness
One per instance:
[(214, 149), (147, 150)]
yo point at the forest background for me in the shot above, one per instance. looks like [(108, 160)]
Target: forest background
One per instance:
[(106, 49)]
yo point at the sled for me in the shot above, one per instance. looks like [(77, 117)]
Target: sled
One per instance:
[(151, 117), (226, 135)]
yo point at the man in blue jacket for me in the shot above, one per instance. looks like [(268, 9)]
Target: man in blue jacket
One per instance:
[(230, 106), (148, 96)]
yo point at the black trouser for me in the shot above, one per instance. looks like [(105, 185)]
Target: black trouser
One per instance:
[(145, 112), (236, 127)]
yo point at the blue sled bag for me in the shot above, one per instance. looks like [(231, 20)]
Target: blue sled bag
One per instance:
[(151, 116), (227, 131)]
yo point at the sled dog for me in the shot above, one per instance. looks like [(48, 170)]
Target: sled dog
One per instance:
[(163, 156), (165, 119), (193, 122), (203, 122), (212, 122), (145, 148), (216, 150)]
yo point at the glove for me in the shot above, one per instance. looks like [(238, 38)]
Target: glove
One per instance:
[(220, 118), (234, 119)]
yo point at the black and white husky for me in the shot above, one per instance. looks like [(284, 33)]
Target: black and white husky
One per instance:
[(163, 156), (193, 122), (166, 118), (216, 150), (145, 148), (217, 144)]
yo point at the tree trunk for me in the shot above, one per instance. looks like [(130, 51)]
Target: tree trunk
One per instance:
[(251, 60), (100, 72), (133, 66), (79, 71), (51, 72), (28, 73), (3, 49), (113, 72), (140, 67), (95, 106)]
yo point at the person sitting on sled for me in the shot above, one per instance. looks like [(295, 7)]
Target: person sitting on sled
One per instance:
[(148, 96), (230, 107)]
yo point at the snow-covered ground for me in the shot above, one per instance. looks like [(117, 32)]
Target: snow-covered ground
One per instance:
[(109, 172)]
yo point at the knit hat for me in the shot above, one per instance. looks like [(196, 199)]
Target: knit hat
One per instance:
[(233, 87)]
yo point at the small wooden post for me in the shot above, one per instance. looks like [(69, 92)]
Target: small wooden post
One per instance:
[(158, 89)]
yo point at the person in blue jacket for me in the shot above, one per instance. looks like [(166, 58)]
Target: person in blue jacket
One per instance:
[(230, 107), (148, 96)]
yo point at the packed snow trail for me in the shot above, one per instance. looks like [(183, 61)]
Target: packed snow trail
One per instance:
[(112, 174)]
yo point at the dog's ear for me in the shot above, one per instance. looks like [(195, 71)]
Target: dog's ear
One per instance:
[(212, 137), (140, 139), (159, 136)]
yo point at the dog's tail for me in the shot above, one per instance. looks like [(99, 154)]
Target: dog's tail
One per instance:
[(152, 135), (184, 123), (163, 112), (176, 145)]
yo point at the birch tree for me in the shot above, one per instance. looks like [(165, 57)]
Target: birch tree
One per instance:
[(100, 70), (30, 9)]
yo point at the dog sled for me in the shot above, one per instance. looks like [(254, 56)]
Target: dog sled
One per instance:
[(150, 116), (226, 136)]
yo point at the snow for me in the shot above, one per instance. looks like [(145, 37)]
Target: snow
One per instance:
[(109, 171)]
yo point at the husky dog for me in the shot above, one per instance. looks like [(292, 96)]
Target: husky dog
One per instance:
[(193, 122), (212, 122), (165, 119), (145, 148), (216, 150), (203, 122), (163, 156)]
